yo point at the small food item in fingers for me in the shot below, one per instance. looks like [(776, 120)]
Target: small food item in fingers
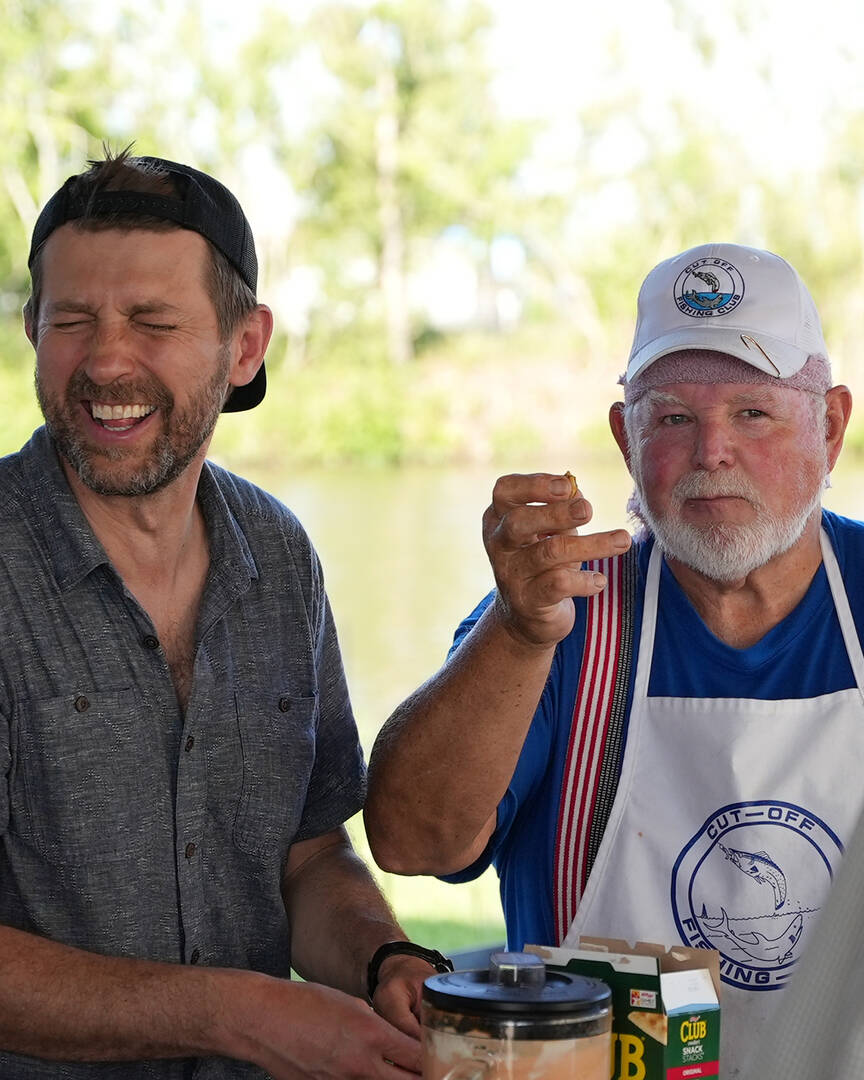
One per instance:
[(574, 487)]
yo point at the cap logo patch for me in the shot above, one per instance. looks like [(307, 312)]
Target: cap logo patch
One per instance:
[(708, 287)]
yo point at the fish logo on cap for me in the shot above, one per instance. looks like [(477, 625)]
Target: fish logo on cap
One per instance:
[(708, 287)]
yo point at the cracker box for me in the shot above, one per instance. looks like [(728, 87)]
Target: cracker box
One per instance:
[(665, 1005)]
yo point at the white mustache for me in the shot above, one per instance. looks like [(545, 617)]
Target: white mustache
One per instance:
[(701, 485)]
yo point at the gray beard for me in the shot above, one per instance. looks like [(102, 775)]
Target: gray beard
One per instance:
[(165, 464), (182, 437), (725, 552)]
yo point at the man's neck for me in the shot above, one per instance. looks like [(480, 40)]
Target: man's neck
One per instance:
[(158, 545), (149, 537), (741, 612)]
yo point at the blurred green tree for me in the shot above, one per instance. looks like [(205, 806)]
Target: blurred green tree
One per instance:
[(358, 135), (54, 94), (56, 82), (403, 140)]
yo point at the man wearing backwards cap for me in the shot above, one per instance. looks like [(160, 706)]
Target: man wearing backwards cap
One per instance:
[(178, 751), (659, 741)]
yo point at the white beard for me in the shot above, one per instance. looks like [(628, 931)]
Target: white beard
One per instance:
[(723, 551)]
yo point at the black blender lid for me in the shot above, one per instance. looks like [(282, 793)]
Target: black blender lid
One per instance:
[(475, 992)]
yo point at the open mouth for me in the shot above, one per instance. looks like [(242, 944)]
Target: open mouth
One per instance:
[(119, 417)]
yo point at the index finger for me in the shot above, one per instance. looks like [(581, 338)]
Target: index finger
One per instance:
[(520, 489)]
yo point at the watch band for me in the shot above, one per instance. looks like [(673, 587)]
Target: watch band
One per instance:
[(391, 948)]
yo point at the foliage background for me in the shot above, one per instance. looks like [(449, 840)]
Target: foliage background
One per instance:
[(372, 142), (454, 203)]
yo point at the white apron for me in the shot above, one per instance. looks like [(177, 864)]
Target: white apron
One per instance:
[(727, 826)]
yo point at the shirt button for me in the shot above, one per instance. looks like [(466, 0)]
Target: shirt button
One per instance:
[(81, 703), (190, 742), (190, 850), (195, 956), (150, 642), (284, 704)]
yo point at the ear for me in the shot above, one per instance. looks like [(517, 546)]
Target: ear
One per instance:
[(249, 344), (29, 326), (616, 422), (839, 409)]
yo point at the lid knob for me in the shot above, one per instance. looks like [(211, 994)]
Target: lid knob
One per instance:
[(516, 969)]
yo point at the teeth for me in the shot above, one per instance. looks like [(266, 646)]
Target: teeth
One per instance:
[(119, 412)]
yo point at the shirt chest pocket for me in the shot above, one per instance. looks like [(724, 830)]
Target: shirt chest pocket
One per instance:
[(277, 744), (87, 781)]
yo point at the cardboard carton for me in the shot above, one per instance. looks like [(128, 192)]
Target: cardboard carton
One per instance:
[(665, 1005)]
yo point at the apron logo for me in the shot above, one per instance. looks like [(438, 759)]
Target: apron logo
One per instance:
[(708, 287), (749, 884)]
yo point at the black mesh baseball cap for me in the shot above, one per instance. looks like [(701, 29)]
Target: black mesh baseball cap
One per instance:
[(201, 203)]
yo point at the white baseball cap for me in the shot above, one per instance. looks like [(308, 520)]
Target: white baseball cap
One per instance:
[(727, 298)]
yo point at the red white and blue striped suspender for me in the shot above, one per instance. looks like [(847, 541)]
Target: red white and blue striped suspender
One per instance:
[(593, 753)]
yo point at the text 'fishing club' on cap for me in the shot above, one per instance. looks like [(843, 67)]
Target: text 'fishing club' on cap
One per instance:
[(201, 203), (727, 298)]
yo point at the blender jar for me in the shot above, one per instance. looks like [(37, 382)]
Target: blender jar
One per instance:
[(516, 1021)]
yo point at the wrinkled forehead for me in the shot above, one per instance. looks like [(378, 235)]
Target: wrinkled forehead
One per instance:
[(84, 258), (701, 366), (693, 395)]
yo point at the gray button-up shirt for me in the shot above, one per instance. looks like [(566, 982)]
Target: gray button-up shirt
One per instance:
[(126, 827)]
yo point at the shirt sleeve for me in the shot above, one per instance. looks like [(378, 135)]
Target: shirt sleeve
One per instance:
[(5, 766), (337, 787)]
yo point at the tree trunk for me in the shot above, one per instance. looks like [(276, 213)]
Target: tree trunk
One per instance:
[(393, 284)]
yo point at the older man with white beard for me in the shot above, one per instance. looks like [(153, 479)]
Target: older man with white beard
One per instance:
[(659, 740)]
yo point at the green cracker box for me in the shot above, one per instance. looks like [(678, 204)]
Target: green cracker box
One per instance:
[(665, 1005)]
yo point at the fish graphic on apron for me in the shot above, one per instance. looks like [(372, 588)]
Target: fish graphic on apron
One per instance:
[(728, 825)]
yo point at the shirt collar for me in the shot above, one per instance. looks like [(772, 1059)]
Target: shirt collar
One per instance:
[(72, 546), (73, 549), (230, 555)]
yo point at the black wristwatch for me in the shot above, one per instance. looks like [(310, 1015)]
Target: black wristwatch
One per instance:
[(390, 948)]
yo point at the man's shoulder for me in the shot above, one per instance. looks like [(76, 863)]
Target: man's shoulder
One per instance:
[(10, 467), (842, 525), (847, 540), (13, 484), (268, 525), (247, 500), (846, 535)]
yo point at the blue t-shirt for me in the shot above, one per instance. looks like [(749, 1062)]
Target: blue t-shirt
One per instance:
[(803, 656)]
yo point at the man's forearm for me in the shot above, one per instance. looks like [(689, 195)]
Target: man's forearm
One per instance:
[(66, 1004), (443, 761), (63, 1004), (339, 911)]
